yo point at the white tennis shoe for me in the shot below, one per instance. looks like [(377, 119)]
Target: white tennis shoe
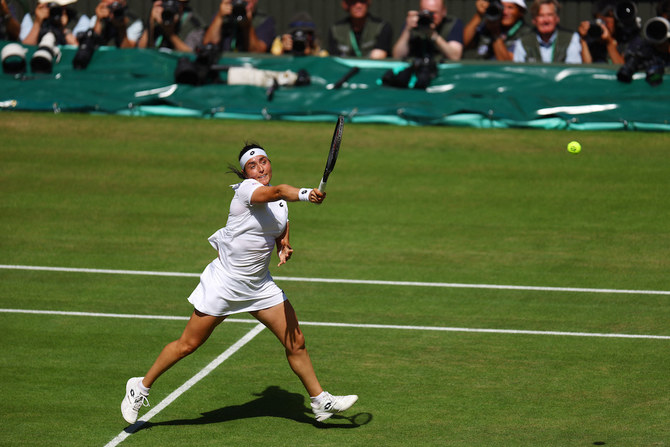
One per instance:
[(329, 405), (133, 401)]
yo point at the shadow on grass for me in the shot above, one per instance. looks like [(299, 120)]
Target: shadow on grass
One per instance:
[(273, 402)]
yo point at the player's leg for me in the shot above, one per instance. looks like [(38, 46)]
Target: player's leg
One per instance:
[(283, 322), (197, 331)]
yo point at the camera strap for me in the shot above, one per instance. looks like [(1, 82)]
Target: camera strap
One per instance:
[(514, 28), (354, 43)]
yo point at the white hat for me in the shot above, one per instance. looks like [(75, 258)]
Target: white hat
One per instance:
[(59, 2), (520, 3)]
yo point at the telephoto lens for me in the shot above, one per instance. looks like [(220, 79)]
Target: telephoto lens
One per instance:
[(46, 56)]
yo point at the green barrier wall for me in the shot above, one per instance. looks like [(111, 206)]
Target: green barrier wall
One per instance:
[(141, 82)]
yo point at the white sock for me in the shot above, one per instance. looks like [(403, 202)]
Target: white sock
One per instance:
[(317, 399), (144, 390)]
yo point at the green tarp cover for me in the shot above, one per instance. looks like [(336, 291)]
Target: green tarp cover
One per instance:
[(141, 82)]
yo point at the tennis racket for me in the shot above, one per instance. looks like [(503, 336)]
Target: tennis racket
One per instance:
[(334, 151)]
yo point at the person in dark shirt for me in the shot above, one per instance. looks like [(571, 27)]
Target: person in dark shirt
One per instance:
[(360, 34)]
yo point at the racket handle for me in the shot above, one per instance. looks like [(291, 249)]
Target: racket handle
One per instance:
[(322, 186)]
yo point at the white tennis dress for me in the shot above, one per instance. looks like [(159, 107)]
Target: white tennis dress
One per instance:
[(239, 279)]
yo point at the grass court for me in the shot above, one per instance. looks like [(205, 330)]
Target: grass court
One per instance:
[(500, 291)]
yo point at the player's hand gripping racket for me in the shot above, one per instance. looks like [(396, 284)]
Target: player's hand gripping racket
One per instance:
[(334, 150)]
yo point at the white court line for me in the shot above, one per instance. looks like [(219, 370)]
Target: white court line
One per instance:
[(353, 325), (186, 386), (348, 281)]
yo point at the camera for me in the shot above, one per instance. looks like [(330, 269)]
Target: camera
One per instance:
[(642, 54), (595, 31), (55, 15), (117, 9), (626, 13), (46, 55), (14, 59), (494, 11), (595, 42), (88, 43), (424, 24), (301, 40), (425, 19), (656, 30), (200, 71), (239, 10), (170, 11)]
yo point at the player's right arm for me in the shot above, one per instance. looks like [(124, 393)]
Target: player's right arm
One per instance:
[(265, 194)]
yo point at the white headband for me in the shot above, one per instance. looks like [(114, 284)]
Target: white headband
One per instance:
[(250, 154), (520, 3)]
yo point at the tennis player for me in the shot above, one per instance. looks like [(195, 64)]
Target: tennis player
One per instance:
[(239, 280)]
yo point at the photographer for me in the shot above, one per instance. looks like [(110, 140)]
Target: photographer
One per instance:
[(429, 33), (174, 25), (605, 37), (9, 26), (51, 16), (360, 34), (300, 40), (494, 29), (115, 25), (238, 26)]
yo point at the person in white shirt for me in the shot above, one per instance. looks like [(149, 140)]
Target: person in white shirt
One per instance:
[(549, 43), (239, 280)]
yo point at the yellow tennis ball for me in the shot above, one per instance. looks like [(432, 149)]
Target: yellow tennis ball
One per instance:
[(574, 147)]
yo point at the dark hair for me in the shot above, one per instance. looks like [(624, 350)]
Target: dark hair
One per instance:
[(232, 169), (603, 7), (535, 7)]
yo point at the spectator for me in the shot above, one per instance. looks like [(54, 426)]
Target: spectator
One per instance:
[(9, 26), (115, 25), (494, 29), (174, 25), (430, 32), (548, 43), (239, 26), (55, 16), (300, 39), (360, 34), (599, 35)]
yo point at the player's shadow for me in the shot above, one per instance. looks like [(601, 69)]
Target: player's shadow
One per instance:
[(273, 402)]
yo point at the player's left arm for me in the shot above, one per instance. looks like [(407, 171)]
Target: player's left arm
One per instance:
[(284, 250)]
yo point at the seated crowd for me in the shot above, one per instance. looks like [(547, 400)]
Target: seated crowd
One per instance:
[(507, 30)]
